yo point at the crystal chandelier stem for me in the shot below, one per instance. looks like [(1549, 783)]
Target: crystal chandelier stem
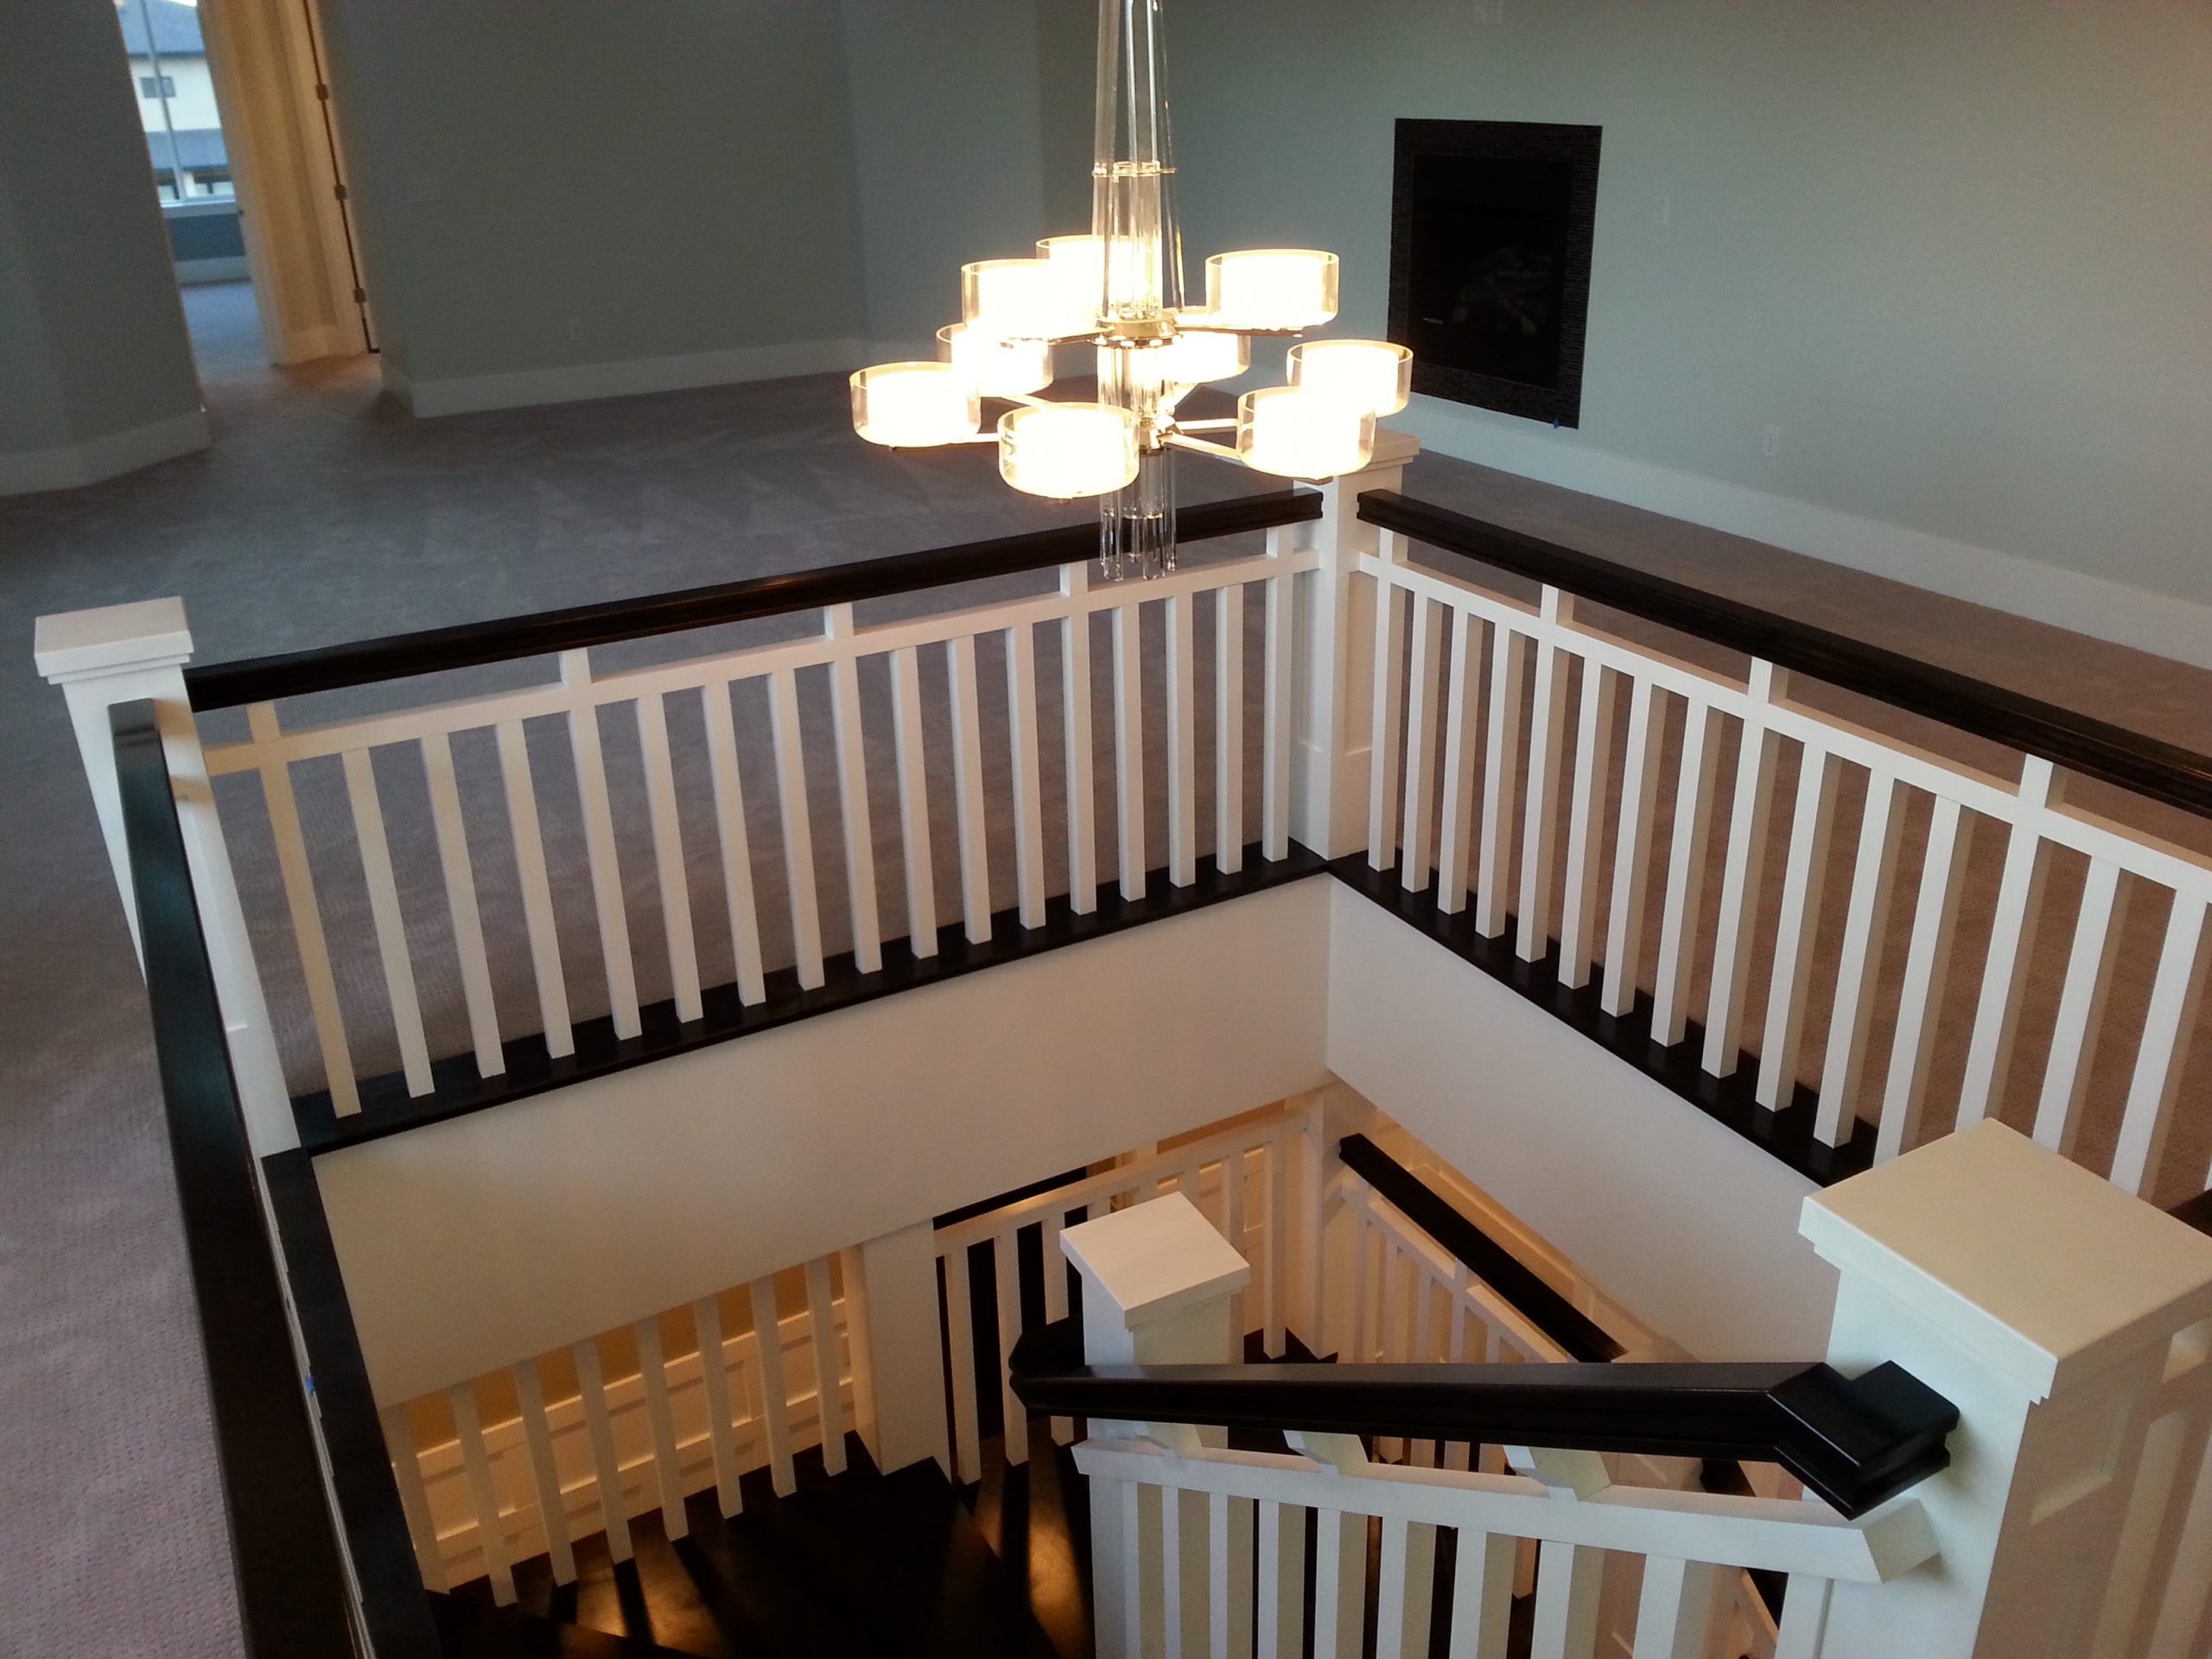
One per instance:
[(1141, 271)]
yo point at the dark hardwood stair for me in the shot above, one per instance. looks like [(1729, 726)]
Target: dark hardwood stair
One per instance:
[(857, 1564)]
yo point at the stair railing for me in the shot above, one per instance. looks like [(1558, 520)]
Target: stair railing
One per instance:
[(1460, 817), (1992, 1294), (308, 1581)]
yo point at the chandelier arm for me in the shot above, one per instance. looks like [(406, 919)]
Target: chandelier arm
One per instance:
[(1200, 446), (1225, 423)]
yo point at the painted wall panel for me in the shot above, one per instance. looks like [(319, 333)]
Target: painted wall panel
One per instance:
[(1690, 1225), (478, 1241)]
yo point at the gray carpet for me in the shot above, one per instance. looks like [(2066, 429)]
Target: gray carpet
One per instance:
[(323, 514)]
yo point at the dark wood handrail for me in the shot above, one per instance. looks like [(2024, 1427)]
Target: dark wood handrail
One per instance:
[(470, 644), (293, 1595), (1854, 1441), (1580, 1336), (2164, 772)]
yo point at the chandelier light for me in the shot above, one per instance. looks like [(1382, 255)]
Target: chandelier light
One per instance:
[(1119, 289)]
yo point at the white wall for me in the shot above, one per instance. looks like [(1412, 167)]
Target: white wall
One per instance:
[(1690, 1225), (1954, 251), (475, 1242)]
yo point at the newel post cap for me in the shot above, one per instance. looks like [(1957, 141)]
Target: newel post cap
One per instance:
[(112, 639), (1155, 1259), (2046, 1272)]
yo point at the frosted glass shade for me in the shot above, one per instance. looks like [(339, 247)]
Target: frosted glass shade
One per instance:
[(914, 404), (1370, 374), (1008, 299), (1272, 287), (1295, 432), (997, 368), (1065, 450), (1077, 279), (1193, 360)]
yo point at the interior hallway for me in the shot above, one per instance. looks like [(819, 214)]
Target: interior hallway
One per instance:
[(322, 513)]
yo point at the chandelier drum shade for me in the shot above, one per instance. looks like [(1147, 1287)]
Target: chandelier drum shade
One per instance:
[(1119, 289)]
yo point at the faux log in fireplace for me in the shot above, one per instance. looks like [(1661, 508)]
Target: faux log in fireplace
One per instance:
[(1490, 233)]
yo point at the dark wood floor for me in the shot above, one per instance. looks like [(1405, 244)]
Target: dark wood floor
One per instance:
[(855, 1564)]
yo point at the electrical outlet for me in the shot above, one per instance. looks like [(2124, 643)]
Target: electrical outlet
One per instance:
[(1770, 444), (1662, 210)]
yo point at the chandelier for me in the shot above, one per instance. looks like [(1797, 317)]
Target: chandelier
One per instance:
[(1120, 288)]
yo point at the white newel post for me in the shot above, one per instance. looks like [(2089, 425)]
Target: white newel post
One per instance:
[(1336, 693), (122, 653), (898, 1347), (2044, 1303), (1158, 1288)]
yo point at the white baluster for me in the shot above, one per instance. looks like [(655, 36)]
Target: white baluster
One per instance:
[(1501, 780), (599, 843), (1005, 1265), (822, 1352), (1928, 960), (1631, 853), (2081, 1006), (1685, 862), (1403, 1590), (960, 1335), (668, 855), (1075, 700), (2012, 944), (1757, 759), (775, 1392), (788, 746), (537, 889), (736, 844), (1482, 1595), (386, 920), (1462, 705), (1593, 751), (460, 878), (1420, 743), (1229, 1572), (1228, 728), (1028, 787), (1865, 930), (914, 802), (414, 1500), (307, 916), (1569, 1578), (1182, 744), (653, 1384), (1804, 882), (1391, 603), (544, 1472), (1674, 1615), (1540, 814), (1282, 1597), (2184, 965), (484, 1497), (849, 735), (721, 1421), (1128, 748), (607, 1468), (1274, 774)]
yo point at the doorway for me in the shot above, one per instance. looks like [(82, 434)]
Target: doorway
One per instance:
[(235, 108)]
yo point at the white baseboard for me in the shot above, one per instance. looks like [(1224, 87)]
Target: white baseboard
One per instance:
[(577, 382), (229, 270), (68, 466), (2160, 623)]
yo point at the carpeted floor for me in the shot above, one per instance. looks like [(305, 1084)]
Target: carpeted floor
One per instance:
[(324, 513)]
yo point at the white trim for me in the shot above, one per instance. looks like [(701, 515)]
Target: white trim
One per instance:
[(2162, 623), (69, 465), (227, 267), (575, 383)]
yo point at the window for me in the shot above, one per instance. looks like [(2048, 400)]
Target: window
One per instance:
[(157, 85)]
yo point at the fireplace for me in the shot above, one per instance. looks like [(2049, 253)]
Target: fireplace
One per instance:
[(1490, 231)]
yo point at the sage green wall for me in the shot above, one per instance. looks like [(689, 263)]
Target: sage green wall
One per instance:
[(1960, 253), (570, 182), (92, 332), (961, 145)]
